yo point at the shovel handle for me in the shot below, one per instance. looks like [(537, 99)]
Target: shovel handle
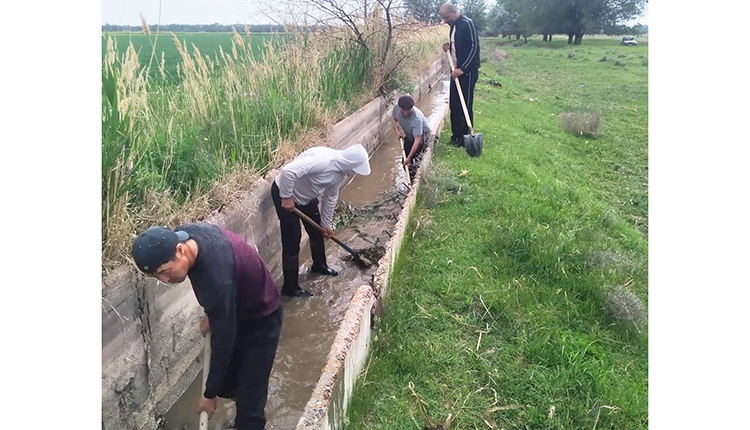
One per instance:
[(460, 94), (203, 420), (403, 154), (310, 221)]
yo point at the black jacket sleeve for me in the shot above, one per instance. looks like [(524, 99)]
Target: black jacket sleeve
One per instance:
[(222, 317), (467, 45)]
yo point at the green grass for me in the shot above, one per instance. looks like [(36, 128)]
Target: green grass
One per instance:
[(525, 249), (207, 43)]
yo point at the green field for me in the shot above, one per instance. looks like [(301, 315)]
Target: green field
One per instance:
[(519, 297), (207, 44)]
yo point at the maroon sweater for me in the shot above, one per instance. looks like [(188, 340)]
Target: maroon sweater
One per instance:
[(230, 281)]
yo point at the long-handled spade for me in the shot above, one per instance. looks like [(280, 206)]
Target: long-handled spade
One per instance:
[(359, 260), (472, 142), (203, 420), (403, 154)]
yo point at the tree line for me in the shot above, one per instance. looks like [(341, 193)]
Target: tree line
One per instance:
[(522, 18), (209, 28)]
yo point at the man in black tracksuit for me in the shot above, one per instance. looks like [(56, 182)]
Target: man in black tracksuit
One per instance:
[(464, 46)]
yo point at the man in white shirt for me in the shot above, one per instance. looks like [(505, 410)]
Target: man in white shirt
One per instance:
[(317, 172)]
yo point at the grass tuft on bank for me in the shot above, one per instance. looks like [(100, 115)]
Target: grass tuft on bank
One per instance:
[(520, 297)]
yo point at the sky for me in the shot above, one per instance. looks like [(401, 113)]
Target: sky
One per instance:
[(126, 12)]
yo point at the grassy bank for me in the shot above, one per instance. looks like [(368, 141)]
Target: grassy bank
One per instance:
[(519, 298)]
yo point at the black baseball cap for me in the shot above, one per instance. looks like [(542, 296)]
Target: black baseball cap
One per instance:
[(406, 102), (156, 246)]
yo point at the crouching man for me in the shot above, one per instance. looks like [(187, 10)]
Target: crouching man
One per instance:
[(410, 124), (242, 307)]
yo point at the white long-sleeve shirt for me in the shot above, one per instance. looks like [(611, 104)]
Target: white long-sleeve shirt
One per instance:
[(317, 172)]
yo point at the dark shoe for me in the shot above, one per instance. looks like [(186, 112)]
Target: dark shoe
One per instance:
[(297, 292), (324, 270), (457, 141)]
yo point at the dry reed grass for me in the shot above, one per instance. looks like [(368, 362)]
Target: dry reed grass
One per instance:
[(208, 95), (624, 305), (582, 124)]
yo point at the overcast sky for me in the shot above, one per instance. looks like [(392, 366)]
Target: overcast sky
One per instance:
[(125, 12)]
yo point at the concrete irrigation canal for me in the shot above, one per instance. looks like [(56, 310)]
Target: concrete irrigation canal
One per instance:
[(150, 385)]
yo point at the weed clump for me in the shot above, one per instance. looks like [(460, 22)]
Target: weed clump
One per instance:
[(619, 63), (582, 124), (624, 305), (603, 59), (437, 185), (498, 56), (571, 55)]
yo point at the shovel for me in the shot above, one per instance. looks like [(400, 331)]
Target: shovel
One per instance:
[(403, 154), (355, 256), (472, 142)]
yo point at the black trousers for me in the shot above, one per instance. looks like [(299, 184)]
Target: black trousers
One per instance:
[(459, 127), (414, 165), (291, 234), (250, 368)]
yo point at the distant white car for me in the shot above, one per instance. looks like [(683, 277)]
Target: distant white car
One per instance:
[(628, 41)]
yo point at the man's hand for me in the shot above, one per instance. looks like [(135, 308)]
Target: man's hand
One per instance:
[(446, 47), (207, 405), (456, 73), (205, 326), (407, 161), (287, 203), (328, 232)]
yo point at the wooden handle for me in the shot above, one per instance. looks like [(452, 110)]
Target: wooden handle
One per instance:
[(308, 220), (460, 94), (322, 230), (203, 420), (403, 154)]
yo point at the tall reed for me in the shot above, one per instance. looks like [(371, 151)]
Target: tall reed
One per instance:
[(167, 148)]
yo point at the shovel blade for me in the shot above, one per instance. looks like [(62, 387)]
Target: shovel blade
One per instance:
[(473, 144)]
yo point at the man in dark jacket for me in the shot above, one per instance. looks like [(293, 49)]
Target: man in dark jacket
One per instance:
[(464, 47), (242, 306)]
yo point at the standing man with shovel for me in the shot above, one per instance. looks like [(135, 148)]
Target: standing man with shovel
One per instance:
[(315, 173), (464, 47), (243, 311), (416, 132)]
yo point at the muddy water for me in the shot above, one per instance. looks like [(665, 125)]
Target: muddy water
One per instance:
[(371, 205)]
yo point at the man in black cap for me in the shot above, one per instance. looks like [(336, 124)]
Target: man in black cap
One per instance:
[(416, 131), (242, 305)]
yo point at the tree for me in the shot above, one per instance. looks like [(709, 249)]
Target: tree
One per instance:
[(476, 10), (495, 19), (591, 16), (424, 10), (572, 17)]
